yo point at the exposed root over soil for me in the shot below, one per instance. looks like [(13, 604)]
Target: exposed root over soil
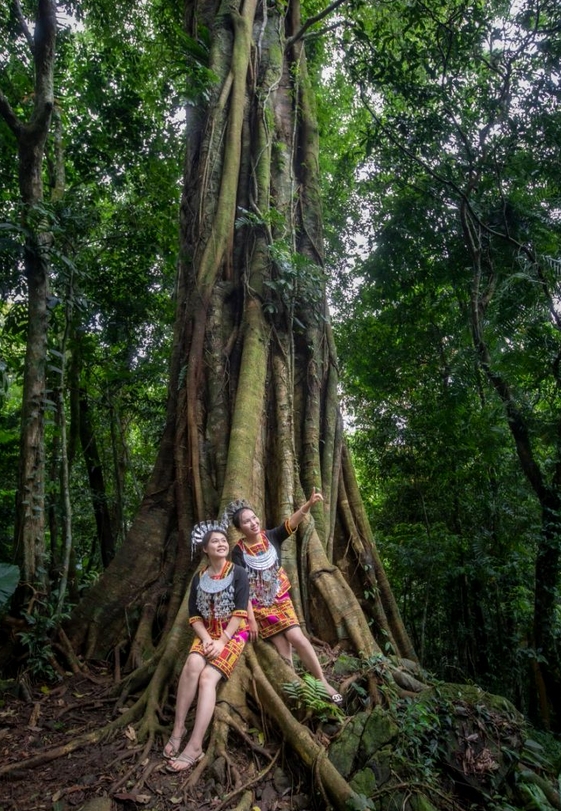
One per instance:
[(64, 748)]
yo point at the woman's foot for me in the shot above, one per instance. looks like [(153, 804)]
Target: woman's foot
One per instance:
[(184, 762), (172, 747), (334, 696)]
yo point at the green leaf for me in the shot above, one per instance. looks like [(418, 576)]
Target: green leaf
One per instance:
[(9, 579)]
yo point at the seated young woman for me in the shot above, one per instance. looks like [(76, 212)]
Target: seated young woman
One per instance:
[(271, 613), (218, 615)]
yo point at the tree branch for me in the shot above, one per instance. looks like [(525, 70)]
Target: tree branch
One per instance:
[(312, 20), (24, 27), (524, 249), (9, 116), (515, 418), (44, 55), (323, 31)]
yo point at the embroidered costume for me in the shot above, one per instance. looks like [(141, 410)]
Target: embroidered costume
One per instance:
[(269, 585), (213, 600)]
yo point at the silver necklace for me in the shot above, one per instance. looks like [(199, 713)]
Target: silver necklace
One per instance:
[(212, 586), (263, 561)]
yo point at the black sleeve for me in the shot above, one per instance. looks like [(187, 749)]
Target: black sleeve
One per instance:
[(241, 589), (193, 610), (237, 556), (277, 535)]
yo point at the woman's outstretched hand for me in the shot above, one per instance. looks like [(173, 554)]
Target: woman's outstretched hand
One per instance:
[(314, 498), (298, 516)]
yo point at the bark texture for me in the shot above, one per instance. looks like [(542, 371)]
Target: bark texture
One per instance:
[(253, 410), (31, 137)]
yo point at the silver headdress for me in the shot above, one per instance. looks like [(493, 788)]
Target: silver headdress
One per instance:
[(200, 530), (234, 507)]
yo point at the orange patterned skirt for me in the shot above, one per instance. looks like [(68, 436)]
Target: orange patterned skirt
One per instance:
[(276, 618), (231, 652)]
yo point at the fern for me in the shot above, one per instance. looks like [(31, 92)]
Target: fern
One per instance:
[(310, 693)]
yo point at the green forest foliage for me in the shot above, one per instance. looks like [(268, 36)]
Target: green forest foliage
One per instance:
[(422, 111), (119, 98), (463, 116)]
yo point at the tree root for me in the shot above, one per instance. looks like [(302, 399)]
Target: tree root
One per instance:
[(421, 788), (52, 754), (407, 682), (234, 776), (245, 802), (83, 705), (261, 750), (258, 777), (63, 646), (150, 767), (300, 738)]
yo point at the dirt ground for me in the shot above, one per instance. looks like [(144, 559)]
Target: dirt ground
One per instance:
[(118, 775)]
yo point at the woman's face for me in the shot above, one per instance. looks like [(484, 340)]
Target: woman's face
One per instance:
[(249, 523), (217, 545)]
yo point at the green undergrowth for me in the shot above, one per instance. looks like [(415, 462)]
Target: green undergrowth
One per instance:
[(451, 746)]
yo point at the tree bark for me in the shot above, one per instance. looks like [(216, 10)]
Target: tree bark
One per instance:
[(31, 138), (253, 410), (105, 535)]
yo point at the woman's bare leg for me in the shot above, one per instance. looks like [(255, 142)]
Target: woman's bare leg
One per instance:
[(307, 654), (186, 692), (208, 682), (283, 646)]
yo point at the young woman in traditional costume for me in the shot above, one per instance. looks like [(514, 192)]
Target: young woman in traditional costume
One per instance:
[(271, 613), (217, 613)]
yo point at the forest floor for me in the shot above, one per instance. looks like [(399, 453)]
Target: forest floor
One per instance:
[(117, 775)]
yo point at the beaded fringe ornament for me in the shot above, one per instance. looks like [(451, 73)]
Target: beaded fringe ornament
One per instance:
[(200, 530), (215, 596), (263, 575)]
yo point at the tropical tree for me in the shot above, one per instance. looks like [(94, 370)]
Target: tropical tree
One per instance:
[(464, 109), (253, 402), (29, 128)]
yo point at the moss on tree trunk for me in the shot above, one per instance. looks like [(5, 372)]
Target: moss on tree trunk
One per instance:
[(253, 409)]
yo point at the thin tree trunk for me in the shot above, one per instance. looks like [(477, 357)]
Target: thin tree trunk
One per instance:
[(96, 479), (31, 138), (65, 465)]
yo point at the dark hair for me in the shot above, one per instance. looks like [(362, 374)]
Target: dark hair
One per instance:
[(236, 517), (207, 536)]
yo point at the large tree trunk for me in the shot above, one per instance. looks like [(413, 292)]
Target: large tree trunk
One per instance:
[(253, 409)]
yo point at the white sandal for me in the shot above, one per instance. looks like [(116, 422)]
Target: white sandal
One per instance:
[(174, 749)]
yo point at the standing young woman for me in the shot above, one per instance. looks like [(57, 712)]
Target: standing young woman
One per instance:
[(217, 612), (271, 613)]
